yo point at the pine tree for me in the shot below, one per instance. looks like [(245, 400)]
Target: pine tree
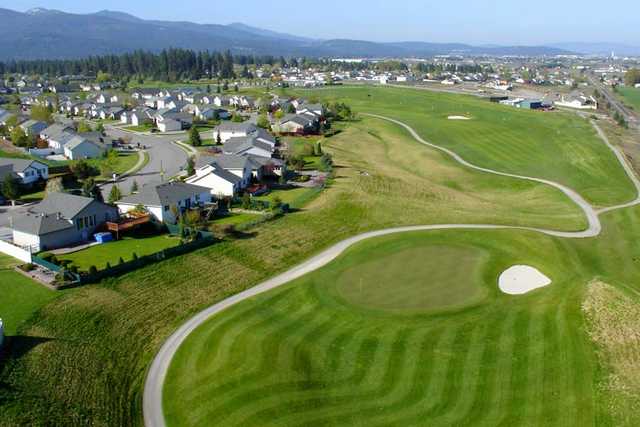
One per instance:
[(114, 194), (194, 137)]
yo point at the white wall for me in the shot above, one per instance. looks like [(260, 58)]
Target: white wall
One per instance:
[(15, 251)]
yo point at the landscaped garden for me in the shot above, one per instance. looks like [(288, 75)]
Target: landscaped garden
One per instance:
[(461, 353)]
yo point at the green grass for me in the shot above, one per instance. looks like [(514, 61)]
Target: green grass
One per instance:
[(631, 96), (146, 127), (99, 255), (558, 146), (294, 197), (21, 296), (446, 348), (237, 219), (102, 337)]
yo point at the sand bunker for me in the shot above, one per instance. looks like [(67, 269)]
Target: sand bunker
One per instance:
[(458, 118), (521, 279)]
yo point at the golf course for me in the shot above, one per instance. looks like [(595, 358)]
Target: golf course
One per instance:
[(407, 326), (376, 301)]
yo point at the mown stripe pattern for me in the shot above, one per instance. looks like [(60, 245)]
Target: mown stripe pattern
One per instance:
[(300, 358)]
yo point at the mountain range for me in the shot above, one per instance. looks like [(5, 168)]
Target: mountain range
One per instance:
[(51, 34)]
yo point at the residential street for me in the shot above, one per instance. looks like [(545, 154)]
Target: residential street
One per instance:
[(164, 155)]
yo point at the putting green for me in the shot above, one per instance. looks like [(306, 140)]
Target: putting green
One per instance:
[(414, 280)]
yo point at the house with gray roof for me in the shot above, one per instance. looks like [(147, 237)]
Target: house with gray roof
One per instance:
[(248, 145), (33, 127), (228, 130), (297, 124), (60, 220), (161, 200), (26, 171), (80, 147)]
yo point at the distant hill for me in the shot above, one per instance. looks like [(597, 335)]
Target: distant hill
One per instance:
[(52, 34), (600, 48)]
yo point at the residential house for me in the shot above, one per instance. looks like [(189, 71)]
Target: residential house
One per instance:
[(580, 102), (221, 183), (79, 147), (162, 200), (296, 124), (230, 130), (248, 145), (26, 171), (33, 127), (60, 220)]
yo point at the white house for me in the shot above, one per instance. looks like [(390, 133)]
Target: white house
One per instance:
[(248, 145), (580, 102), (229, 130), (162, 200), (220, 183), (26, 171), (169, 125)]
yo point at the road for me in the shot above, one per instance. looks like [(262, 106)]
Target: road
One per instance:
[(616, 104), (152, 397), (164, 155)]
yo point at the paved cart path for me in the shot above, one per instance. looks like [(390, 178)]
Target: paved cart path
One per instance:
[(152, 398)]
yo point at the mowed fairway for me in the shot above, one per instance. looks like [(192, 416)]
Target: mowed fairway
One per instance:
[(445, 349), (558, 146)]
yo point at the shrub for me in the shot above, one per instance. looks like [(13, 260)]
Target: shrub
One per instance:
[(108, 266), (93, 270), (134, 256), (27, 267), (120, 261)]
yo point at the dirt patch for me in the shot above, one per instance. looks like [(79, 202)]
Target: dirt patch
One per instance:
[(613, 323)]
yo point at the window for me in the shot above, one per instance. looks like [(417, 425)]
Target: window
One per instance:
[(166, 208), (80, 223)]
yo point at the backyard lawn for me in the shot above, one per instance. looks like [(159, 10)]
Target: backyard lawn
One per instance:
[(111, 252), (141, 128), (20, 296)]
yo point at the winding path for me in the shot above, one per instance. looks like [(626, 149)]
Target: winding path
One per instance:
[(152, 398)]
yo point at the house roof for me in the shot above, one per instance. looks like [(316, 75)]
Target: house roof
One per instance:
[(232, 161), (246, 127), (17, 165), (35, 125), (221, 173), (163, 194), (240, 144), (39, 224), (56, 130), (6, 170), (68, 205)]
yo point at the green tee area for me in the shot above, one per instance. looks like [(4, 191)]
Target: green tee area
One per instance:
[(20, 296), (631, 96), (383, 178)]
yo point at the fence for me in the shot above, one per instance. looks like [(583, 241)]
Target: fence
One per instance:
[(15, 251)]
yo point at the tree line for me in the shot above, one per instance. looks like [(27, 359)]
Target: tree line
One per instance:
[(167, 65)]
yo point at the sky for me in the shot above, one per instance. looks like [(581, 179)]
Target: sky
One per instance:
[(505, 22)]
